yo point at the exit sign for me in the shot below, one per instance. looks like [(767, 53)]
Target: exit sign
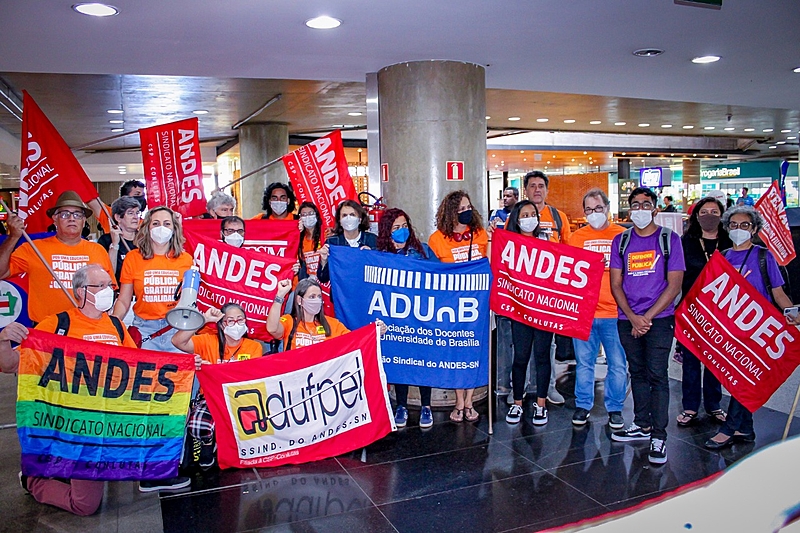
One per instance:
[(710, 4)]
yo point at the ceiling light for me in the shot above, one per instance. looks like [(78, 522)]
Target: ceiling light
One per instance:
[(569, 121), (644, 125), (522, 151), (791, 138), (354, 114), (115, 111), (781, 142), (96, 10), (797, 70), (708, 128), (768, 130), (786, 131), (323, 23), (772, 147), (573, 159), (694, 155), (688, 127), (749, 129), (116, 121), (117, 130), (584, 153), (200, 112), (494, 155), (513, 119), (706, 59), (122, 167), (488, 117), (524, 158), (666, 125), (620, 123), (648, 154), (729, 129), (672, 155), (623, 153), (595, 122), (337, 125), (542, 119), (648, 52)]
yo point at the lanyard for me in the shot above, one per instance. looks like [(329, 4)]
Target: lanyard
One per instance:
[(745, 258), (703, 247)]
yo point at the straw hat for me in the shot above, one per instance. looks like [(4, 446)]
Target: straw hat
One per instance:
[(70, 199)]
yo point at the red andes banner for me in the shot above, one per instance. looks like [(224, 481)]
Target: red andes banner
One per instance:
[(47, 168), (776, 233), (550, 286), (319, 174), (739, 335), (272, 237), (302, 405), (173, 167), (245, 277)]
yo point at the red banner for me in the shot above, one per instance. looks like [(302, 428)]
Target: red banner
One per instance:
[(245, 277), (47, 169), (173, 167), (554, 287), (737, 333), (776, 233), (302, 405), (272, 237), (319, 174)]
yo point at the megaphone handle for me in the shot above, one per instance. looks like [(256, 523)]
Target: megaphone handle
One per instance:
[(178, 291)]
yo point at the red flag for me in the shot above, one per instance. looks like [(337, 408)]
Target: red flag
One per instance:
[(554, 287), (776, 233), (739, 335), (48, 168), (173, 167), (272, 237), (319, 174), (302, 405)]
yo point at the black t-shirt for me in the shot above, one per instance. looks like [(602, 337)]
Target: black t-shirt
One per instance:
[(105, 242)]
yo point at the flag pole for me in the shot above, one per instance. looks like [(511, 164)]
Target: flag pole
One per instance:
[(256, 171), (104, 207), (42, 259), (791, 414), (491, 387)]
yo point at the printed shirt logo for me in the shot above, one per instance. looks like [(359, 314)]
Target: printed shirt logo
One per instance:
[(461, 253), (642, 263), (159, 286), (105, 338), (306, 339), (602, 246), (65, 266)]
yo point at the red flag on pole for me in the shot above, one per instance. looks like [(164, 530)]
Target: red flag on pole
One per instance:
[(173, 167), (776, 233), (319, 174), (48, 168)]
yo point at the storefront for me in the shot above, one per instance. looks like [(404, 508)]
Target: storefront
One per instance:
[(755, 175)]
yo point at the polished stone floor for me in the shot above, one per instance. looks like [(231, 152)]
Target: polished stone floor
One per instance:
[(452, 477)]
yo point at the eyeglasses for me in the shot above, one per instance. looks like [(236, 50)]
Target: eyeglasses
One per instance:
[(65, 215), (740, 225), (644, 205), (229, 231), (234, 321), (598, 209), (101, 286)]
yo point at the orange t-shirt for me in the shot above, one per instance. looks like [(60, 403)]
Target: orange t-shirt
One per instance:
[(594, 240), (207, 347), (46, 297), (304, 337), (89, 329), (452, 251), (548, 225), (154, 282)]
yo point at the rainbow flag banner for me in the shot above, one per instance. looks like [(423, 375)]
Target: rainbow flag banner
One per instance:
[(87, 410)]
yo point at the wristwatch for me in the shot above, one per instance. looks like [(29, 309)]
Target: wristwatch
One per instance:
[(279, 299)]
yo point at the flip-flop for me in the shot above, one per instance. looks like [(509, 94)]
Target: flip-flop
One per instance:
[(691, 418), (471, 415), (457, 415), (719, 415)]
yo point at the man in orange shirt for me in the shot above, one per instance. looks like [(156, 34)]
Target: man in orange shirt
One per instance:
[(65, 253), (597, 236)]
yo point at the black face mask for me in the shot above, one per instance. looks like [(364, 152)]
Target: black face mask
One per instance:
[(465, 217), (142, 202)]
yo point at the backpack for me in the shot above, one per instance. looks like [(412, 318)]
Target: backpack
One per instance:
[(63, 325), (556, 220), (664, 238), (762, 268)]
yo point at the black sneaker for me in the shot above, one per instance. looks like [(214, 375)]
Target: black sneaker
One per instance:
[(514, 414), (208, 455), (23, 482), (633, 433), (615, 420), (167, 485), (539, 415), (658, 451), (580, 416)]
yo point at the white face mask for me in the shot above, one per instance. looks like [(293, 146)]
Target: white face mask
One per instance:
[(309, 221), (641, 218), (350, 222), (278, 207), (161, 234), (236, 331), (104, 299), (528, 224), (234, 239), (597, 220), (739, 236), (312, 307)]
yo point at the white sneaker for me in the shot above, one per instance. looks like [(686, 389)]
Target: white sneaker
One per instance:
[(514, 414)]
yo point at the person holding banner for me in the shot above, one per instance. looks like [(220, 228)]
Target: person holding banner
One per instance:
[(125, 213), (279, 202), (152, 273), (307, 323), (460, 237), (704, 235), (229, 344), (761, 270), (310, 252), (646, 272), (352, 223), (220, 205), (231, 231)]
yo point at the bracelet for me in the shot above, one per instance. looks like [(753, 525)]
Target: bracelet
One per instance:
[(113, 246), (279, 299)]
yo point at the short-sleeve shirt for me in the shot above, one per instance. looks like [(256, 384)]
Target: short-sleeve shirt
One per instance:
[(594, 240), (207, 347), (89, 329), (305, 336), (46, 297), (549, 227), (105, 242), (154, 282), (752, 271), (452, 251), (643, 279)]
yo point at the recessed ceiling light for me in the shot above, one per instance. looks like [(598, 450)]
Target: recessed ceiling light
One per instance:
[(644, 125), (791, 138), (708, 127), (648, 154), (729, 129), (797, 70), (542, 119), (200, 112), (786, 131), (623, 153), (772, 147), (115, 111), (524, 158), (122, 167), (354, 114), (749, 129), (648, 52), (688, 127), (672, 155), (95, 9), (768, 130), (706, 59), (117, 130), (666, 125), (488, 117), (781, 142), (694, 155), (323, 23), (513, 119), (620, 123), (569, 121), (595, 122), (584, 153), (522, 151), (116, 121), (494, 155)]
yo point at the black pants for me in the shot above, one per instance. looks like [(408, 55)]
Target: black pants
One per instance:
[(524, 337), (401, 391), (648, 361), (694, 386), (739, 419)]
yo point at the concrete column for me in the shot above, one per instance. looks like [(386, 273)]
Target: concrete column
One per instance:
[(432, 112), (258, 145)]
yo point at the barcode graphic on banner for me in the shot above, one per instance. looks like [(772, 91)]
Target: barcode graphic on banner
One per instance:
[(409, 279)]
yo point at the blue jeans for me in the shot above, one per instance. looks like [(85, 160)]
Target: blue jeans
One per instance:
[(162, 343), (739, 419), (604, 331)]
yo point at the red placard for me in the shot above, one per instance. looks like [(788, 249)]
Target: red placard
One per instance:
[(384, 171), (48, 168), (550, 286), (319, 174), (739, 335), (776, 233), (173, 167), (455, 171)]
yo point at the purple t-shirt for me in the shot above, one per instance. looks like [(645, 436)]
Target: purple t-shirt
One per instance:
[(752, 272), (643, 278)]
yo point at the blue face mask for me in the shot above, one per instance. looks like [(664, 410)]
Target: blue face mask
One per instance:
[(400, 235)]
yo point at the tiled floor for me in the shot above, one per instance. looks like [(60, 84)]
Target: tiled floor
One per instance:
[(452, 477)]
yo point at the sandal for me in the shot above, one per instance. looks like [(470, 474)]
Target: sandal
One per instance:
[(719, 415), (457, 415), (471, 414), (688, 419)]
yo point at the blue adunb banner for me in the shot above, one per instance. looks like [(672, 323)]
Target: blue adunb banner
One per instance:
[(437, 314)]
